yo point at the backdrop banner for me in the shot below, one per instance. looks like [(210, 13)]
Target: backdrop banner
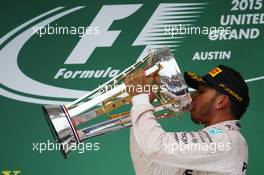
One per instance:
[(53, 52)]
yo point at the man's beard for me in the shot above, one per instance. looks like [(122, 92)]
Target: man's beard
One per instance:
[(205, 113), (195, 121)]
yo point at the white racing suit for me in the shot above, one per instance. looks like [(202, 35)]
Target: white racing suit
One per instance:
[(219, 149)]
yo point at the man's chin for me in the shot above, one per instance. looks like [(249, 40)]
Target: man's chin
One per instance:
[(196, 121)]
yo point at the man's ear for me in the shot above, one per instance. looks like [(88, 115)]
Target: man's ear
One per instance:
[(222, 101)]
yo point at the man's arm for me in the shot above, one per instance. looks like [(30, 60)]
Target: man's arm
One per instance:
[(165, 147), (172, 148)]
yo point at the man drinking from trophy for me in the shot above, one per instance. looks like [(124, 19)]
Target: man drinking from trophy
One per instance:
[(220, 100)]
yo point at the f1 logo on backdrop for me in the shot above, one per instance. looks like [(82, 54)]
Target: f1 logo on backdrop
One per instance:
[(20, 87), (104, 19)]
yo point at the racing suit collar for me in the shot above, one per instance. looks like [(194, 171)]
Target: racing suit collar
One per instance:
[(231, 124)]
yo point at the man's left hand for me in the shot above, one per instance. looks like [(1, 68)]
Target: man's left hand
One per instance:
[(138, 83)]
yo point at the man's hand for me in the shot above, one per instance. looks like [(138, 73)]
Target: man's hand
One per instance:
[(138, 83)]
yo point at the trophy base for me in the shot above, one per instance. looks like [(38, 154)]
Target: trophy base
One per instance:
[(62, 127)]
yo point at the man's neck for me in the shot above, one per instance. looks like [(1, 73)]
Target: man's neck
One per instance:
[(218, 119)]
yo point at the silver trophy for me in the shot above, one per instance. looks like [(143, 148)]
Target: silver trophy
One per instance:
[(70, 123)]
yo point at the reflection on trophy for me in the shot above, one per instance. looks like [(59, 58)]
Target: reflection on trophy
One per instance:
[(69, 122)]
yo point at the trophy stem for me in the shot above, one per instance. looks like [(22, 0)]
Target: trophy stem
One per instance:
[(105, 127)]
